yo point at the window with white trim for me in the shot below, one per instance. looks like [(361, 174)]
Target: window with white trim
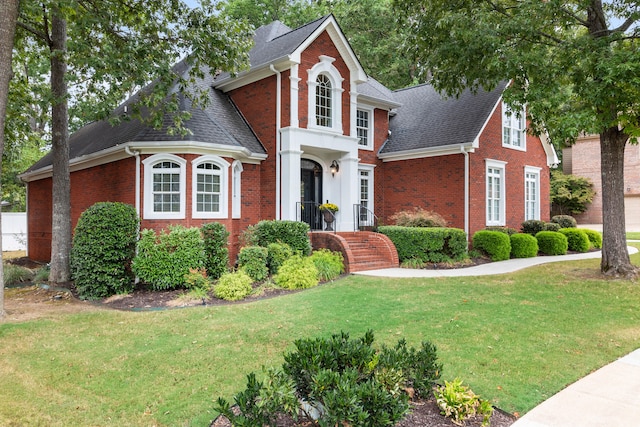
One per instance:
[(495, 192), (323, 101), (325, 94), (513, 128), (364, 127), (365, 175), (531, 193), (209, 190), (236, 189), (164, 187)]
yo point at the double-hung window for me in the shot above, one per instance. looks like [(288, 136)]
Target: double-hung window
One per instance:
[(495, 192), (364, 128), (531, 193), (365, 174), (513, 128)]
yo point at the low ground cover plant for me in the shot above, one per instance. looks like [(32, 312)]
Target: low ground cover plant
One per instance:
[(459, 402), (15, 274), (495, 244)]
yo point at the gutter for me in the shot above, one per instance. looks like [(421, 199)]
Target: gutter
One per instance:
[(136, 154), (278, 140), (466, 190)]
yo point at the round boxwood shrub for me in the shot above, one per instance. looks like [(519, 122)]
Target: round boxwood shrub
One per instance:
[(577, 239), (297, 273), (104, 244), (233, 286), (552, 226), (595, 237), (495, 244), (565, 221), (523, 246), (552, 243), (532, 226)]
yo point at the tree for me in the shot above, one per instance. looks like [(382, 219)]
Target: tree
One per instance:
[(101, 51), (570, 194), (574, 64), (8, 17)]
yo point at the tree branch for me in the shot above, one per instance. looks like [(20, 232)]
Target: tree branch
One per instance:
[(35, 32)]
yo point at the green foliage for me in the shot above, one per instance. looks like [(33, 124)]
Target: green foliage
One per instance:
[(523, 246), (233, 286), (570, 194), (564, 221), (427, 244), (329, 264), (533, 226), (552, 243), (297, 273), (418, 217), (551, 226), (215, 249), (458, 402), (277, 253), (42, 274), (506, 230), (595, 237), (164, 259), (253, 260), (14, 274), (495, 244), (577, 239), (293, 233), (197, 280), (103, 248)]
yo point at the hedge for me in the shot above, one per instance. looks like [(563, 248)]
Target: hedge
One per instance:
[(293, 233), (552, 243), (427, 244), (523, 246), (577, 239), (495, 244), (595, 237)]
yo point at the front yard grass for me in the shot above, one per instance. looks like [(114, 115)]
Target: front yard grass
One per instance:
[(633, 235), (516, 339)]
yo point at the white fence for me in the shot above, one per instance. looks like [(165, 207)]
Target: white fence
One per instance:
[(14, 231)]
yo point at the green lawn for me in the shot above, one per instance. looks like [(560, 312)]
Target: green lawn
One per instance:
[(633, 235), (516, 339)]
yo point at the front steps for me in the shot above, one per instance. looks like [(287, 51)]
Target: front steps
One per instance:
[(362, 250)]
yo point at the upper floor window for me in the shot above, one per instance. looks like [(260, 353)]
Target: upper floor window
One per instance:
[(209, 187), (325, 96), (364, 128), (513, 128), (164, 192), (323, 101)]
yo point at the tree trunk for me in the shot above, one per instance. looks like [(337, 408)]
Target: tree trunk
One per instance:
[(615, 257), (8, 19), (61, 215)]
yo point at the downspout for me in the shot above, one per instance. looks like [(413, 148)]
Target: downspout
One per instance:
[(466, 190), (278, 142), (136, 154)]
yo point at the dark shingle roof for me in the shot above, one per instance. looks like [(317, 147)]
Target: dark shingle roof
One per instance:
[(219, 123), (429, 120), (374, 89)]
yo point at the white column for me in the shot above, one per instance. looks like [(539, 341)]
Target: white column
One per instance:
[(290, 156)]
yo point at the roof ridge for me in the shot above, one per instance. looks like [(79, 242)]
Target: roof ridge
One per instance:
[(322, 18)]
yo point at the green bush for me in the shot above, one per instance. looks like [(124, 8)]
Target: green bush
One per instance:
[(595, 237), (532, 226), (197, 280), (495, 244), (577, 239), (164, 259), (565, 221), (277, 254), (523, 246), (216, 251), (506, 230), (297, 273), (14, 274), (253, 260), (293, 233), (552, 243), (458, 402), (551, 226), (418, 217), (104, 244), (427, 244), (329, 264), (233, 286)]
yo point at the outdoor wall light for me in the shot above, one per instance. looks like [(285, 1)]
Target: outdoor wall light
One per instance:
[(334, 168)]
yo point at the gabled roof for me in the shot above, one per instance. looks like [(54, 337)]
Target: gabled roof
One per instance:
[(219, 124), (428, 121), (374, 92)]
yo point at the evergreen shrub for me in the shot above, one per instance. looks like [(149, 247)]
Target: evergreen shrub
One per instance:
[(551, 226), (577, 239), (233, 286), (565, 221), (418, 217), (293, 233), (427, 244), (216, 249), (552, 243), (104, 244), (297, 273), (506, 230), (277, 253), (495, 244), (595, 237), (253, 260), (532, 226), (523, 246)]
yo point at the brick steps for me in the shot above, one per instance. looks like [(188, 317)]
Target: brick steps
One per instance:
[(362, 250)]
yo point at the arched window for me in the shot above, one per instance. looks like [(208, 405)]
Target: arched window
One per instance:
[(209, 187), (323, 101), (164, 187), (325, 96)]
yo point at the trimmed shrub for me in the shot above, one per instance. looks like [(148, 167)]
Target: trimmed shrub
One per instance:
[(253, 260), (104, 244), (552, 243), (565, 221), (233, 286), (297, 273), (532, 226), (577, 239), (523, 246), (329, 264), (277, 253), (427, 244), (595, 237), (495, 244), (216, 251), (506, 230), (418, 217), (551, 226), (293, 233), (164, 259)]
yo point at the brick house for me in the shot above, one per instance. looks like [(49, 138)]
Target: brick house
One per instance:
[(306, 125), (583, 159)]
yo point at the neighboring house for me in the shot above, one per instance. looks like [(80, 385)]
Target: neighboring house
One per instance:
[(583, 159), (305, 125)]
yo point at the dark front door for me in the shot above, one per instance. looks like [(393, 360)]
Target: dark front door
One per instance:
[(311, 193)]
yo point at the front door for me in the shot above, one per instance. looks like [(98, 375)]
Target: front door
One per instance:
[(310, 193)]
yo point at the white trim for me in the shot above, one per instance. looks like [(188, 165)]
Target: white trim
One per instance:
[(532, 170), (223, 211), (508, 117), (370, 127), (428, 152), (502, 199), (236, 189), (325, 67), (370, 185), (148, 163)]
